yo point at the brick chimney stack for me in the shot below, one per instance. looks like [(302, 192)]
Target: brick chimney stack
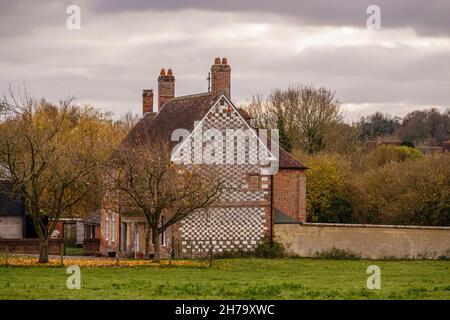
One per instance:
[(221, 78), (166, 87), (147, 101)]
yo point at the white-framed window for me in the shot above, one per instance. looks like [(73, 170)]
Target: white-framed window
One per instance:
[(136, 238), (107, 226), (113, 227)]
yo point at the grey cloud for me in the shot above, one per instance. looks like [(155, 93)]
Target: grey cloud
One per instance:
[(55, 63), (358, 74), (426, 17)]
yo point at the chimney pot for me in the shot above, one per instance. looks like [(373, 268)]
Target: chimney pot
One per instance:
[(224, 61), (169, 72), (217, 61), (163, 72)]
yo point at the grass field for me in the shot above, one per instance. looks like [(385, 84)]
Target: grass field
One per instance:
[(74, 251), (234, 279)]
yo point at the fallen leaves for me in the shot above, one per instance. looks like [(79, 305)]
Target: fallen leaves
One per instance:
[(13, 260)]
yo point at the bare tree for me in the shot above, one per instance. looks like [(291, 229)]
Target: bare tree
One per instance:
[(302, 114), (128, 121), (50, 155), (149, 184), (274, 113)]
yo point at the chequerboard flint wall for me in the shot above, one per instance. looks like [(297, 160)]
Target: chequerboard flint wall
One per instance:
[(239, 220)]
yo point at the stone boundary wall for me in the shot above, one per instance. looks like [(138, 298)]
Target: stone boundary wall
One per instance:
[(367, 241)]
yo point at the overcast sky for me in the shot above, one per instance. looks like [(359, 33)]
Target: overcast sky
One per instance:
[(122, 45)]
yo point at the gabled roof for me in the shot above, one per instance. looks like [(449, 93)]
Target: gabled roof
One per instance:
[(215, 103), (181, 113)]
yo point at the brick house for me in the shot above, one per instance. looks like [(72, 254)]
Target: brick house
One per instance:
[(242, 217)]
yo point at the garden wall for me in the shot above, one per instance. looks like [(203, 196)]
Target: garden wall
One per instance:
[(29, 246), (91, 247), (367, 241)]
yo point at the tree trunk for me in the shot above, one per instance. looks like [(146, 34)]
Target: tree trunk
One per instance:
[(156, 246), (43, 251), (147, 240)]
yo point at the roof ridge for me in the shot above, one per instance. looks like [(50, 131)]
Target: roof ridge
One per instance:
[(190, 96), (195, 95)]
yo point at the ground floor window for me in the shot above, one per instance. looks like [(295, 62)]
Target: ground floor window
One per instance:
[(70, 233), (113, 228), (90, 231), (107, 226)]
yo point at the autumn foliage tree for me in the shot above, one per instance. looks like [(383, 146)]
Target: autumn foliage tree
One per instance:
[(350, 180), (415, 191), (389, 185), (328, 181), (51, 155)]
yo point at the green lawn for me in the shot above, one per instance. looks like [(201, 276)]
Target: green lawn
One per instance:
[(235, 279), (74, 251)]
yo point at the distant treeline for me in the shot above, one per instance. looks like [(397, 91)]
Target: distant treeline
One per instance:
[(351, 180)]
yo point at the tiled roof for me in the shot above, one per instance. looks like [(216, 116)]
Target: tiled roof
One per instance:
[(181, 113), (177, 113)]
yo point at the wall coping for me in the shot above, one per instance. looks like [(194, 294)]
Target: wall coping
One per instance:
[(28, 240), (91, 240), (348, 225)]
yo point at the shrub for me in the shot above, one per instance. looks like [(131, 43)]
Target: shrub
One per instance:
[(328, 177), (387, 154), (407, 143), (234, 254), (445, 256), (337, 254), (263, 250), (390, 185), (266, 250), (411, 192)]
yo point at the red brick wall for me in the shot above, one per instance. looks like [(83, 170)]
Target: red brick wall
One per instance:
[(289, 193), (97, 232), (91, 247), (147, 101), (110, 244), (166, 87), (29, 246)]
